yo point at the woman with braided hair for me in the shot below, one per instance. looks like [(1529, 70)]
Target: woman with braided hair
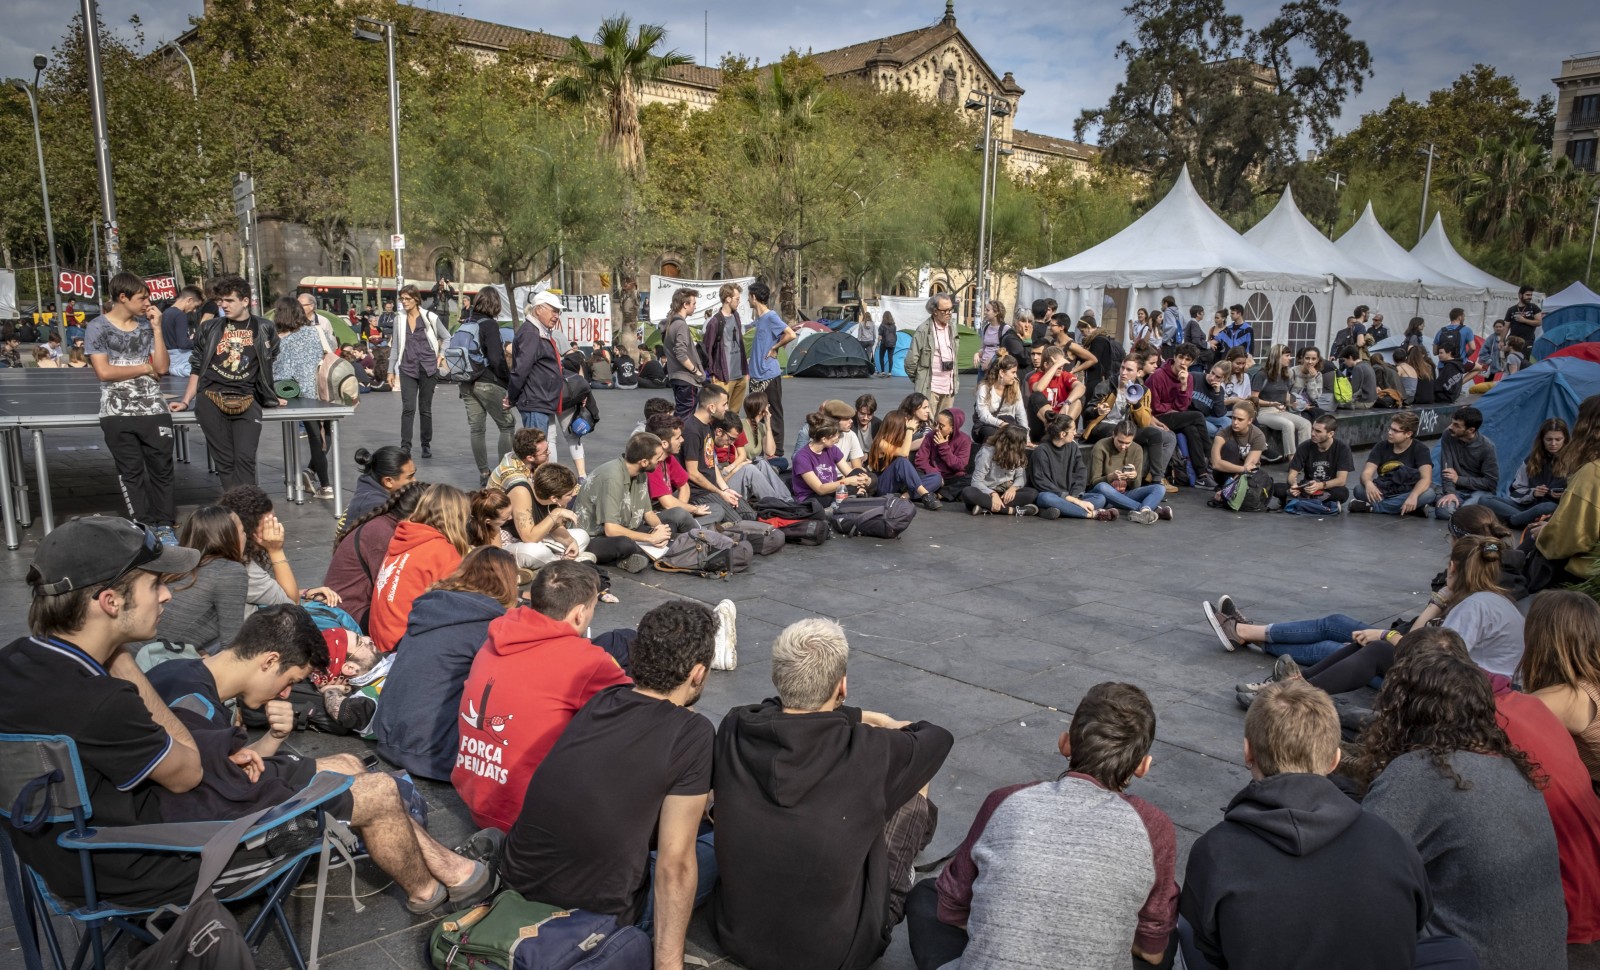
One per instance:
[(359, 548)]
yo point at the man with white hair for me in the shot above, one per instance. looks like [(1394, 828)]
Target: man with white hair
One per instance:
[(821, 810), (931, 361), (536, 379)]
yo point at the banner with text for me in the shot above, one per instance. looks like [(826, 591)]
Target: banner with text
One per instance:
[(662, 288), (161, 287), (587, 319)]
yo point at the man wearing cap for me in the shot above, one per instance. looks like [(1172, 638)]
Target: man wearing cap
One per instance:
[(536, 382), (96, 586)]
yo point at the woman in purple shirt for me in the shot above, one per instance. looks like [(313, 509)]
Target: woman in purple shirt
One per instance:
[(816, 466)]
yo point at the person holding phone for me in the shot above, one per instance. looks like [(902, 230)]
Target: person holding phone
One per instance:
[(1115, 467), (816, 471)]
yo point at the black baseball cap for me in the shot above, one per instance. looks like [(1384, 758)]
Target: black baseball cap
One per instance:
[(98, 549)]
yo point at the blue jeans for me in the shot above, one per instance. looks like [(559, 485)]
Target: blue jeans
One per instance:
[(1392, 504), (1050, 500), (885, 358), (1308, 641), (1516, 516), (536, 419), (779, 463), (1215, 425), (1145, 497), (705, 858), (902, 476)]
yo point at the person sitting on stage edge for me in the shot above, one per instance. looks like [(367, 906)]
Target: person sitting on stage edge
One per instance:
[(1170, 392), (1073, 871), (828, 795)]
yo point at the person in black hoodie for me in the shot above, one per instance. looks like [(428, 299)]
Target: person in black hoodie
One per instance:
[(1057, 469), (1297, 867), (821, 810), (417, 724)]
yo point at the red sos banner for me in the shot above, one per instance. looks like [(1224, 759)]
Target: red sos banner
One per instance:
[(77, 284), (161, 287)]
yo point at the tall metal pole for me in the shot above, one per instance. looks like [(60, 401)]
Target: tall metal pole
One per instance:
[(394, 159), (44, 191), (102, 139), (1001, 148), (983, 213), (1427, 183)]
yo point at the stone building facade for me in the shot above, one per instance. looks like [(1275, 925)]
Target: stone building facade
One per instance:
[(1577, 133)]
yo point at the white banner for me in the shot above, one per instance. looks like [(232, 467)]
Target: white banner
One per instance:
[(587, 319), (910, 312), (662, 288), (8, 294)]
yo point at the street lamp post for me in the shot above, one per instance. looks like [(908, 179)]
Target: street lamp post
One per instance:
[(39, 63), (994, 106), (1002, 148), (199, 142), (1427, 183), (1339, 182), (382, 31), (102, 138)]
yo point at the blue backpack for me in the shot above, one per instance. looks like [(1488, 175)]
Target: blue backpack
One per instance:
[(463, 358)]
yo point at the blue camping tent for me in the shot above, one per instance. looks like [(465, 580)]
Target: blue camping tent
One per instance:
[(1515, 407), (1567, 326)]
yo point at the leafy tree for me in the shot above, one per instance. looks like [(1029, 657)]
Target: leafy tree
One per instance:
[(1232, 103)]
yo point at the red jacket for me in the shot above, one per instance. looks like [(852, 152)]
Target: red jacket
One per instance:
[(1165, 397), (419, 556), (527, 682)]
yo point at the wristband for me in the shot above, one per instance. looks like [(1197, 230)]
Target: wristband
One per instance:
[(1393, 636)]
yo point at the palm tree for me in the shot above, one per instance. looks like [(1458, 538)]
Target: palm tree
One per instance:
[(611, 76)]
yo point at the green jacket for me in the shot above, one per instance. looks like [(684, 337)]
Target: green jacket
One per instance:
[(920, 359)]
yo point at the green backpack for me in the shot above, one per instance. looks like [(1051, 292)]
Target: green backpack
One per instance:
[(1343, 391)]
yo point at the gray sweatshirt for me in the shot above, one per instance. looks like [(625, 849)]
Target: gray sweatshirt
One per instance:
[(1363, 383), (1477, 467), (988, 477)]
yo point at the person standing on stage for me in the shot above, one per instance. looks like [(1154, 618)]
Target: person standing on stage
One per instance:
[(128, 355)]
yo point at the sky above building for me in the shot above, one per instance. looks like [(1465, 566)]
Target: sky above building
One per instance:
[(1064, 55)]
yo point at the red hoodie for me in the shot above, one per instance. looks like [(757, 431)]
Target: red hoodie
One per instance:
[(419, 556), (527, 682)]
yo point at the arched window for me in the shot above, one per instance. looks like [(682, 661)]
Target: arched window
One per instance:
[(1302, 325), (845, 293), (444, 268), (347, 264), (1258, 313), (670, 268), (901, 287)]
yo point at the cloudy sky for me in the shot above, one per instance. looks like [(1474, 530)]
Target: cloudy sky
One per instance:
[(1065, 63)]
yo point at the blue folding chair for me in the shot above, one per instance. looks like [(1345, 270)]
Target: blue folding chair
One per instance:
[(42, 783)]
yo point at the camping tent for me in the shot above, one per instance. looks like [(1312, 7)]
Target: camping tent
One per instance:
[(1183, 249), (829, 354), (1368, 242), (1575, 295), (1576, 331), (1286, 232), (1588, 350), (1577, 303), (1517, 405)]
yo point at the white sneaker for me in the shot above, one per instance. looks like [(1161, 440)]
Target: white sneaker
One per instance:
[(726, 656), (1143, 516)]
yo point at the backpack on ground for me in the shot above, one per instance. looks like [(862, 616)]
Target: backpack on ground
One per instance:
[(706, 553), (336, 377), (765, 539), (1343, 391), (805, 532), (463, 356), (884, 517), (205, 935), (1248, 492), (511, 931), (778, 508), (1311, 506)]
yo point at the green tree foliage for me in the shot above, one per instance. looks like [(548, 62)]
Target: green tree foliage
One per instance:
[(1230, 102)]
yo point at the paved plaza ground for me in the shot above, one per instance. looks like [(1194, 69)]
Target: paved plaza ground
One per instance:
[(991, 627)]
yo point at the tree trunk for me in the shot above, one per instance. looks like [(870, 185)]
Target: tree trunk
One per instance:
[(788, 303)]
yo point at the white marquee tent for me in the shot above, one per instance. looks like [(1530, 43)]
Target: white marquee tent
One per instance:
[(1286, 232), (1434, 250), (1367, 241), (1183, 249)]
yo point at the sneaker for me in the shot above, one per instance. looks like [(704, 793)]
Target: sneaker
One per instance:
[(1029, 509), (931, 502), (1106, 515), (484, 846), (726, 656), (1205, 481), (325, 491), (1143, 516), (1226, 607), (978, 510), (1171, 487), (636, 563), (1244, 699), (166, 534), (1164, 513), (427, 451), (1359, 505), (308, 482), (1271, 458), (1049, 513), (1225, 627), (1284, 668)]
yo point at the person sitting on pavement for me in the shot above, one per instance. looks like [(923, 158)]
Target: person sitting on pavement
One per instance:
[(533, 673), (1469, 467), (1116, 466), (426, 548), (269, 579), (919, 415), (631, 841), (1449, 780), (530, 449), (946, 452), (1397, 478), (359, 549), (417, 723), (760, 443), (1070, 872), (1238, 449), (1170, 391), (866, 422), (1000, 476), (1561, 666), (1293, 835), (555, 535), (1058, 471), (852, 453), (833, 797), (1363, 379), (208, 603), (1319, 470), (697, 453), (816, 474), (1536, 488), (277, 648), (614, 506), (652, 407), (889, 459), (1569, 541), (1343, 654), (383, 472), (669, 481), (751, 479)]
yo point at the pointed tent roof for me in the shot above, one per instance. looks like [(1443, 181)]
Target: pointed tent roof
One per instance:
[(1575, 295), (1367, 242), (1286, 232), (1177, 243), (1434, 250)]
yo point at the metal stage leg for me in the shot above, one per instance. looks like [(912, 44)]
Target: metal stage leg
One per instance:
[(7, 496), (181, 448), (337, 468), (19, 480), (291, 464), (43, 471)]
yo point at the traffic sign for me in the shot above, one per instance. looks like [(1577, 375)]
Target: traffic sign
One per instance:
[(243, 186), (386, 263), (397, 241)]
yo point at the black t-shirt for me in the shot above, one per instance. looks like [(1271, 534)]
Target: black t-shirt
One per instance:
[(1447, 386), (1107, 362), (191, 681), (233, 367), (589, 819), (1527, 331), (1312, 464), (698, 446), (1388, 460), (49, 686), (653, 370), (1012, 343)]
